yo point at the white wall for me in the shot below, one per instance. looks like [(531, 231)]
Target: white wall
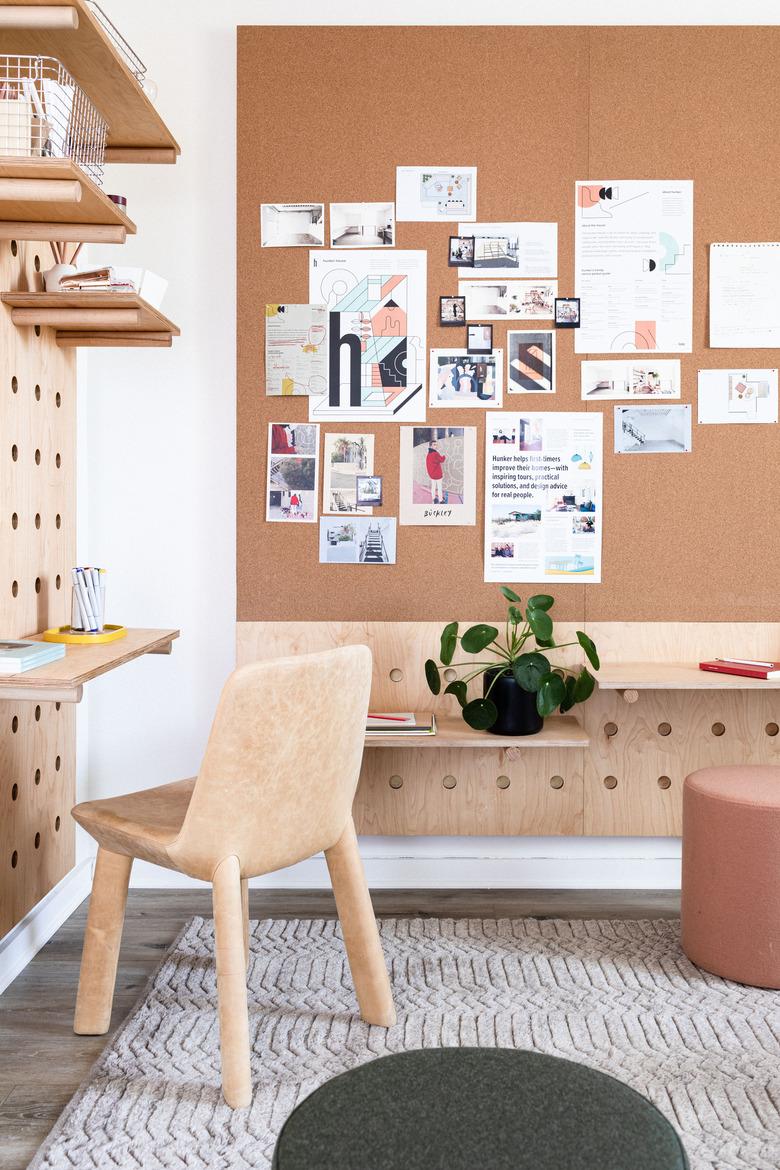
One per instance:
[(158, 429)]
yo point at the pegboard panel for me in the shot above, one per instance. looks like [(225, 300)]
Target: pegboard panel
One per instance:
[(685, 537), (37, 550)]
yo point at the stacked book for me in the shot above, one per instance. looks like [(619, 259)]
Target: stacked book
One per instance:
[(747, 667), (399, 723), (16, 657)]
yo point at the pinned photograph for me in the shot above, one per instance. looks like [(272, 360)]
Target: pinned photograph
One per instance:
[(479, 339), (292, 225), (438, 475), (459, 379), (567, 312), (431, 194), (361, 540), (369, 491), (524, 300), (291, 488), (531, 368), (296, 349), (616, 379), (738, 396), (515, 250), (362, 225), (452, 310), (345, 458), (647, 430), (461, 253)]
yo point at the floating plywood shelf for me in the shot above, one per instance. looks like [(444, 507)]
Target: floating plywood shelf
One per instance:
[(136, 132), (559, 731), (93, 318), (53, 199), (62, 681), (675, 676)]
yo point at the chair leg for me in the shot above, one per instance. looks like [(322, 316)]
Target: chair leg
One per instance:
[(102, 938), (231, 983), (358, 925), (245, 912)]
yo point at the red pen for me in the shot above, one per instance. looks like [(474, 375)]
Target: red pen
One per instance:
[(394, 718)]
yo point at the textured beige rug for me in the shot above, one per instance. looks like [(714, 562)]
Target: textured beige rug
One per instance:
[(619, 996)]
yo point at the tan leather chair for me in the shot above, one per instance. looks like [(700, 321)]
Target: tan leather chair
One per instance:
[(276, 786)]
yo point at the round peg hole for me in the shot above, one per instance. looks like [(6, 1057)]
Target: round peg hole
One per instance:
[(15, 520), (58, 581), (610, 782), (718, 728), (610, 729), (58, 460), (14, 384), (14, 791), (37, 263), (396, 782), (449, 781), (15, 589), (58, 521), (556, 781), (37, 457), (58, 763), (37, 584), (57, 706), (15, 724), (771, 729), (37, 840), (14, 248), (450, 675), (57, 823), (37, 330), (58, 399), (37, 392), (37, 520), (664, 729), (14, 859), (37, 713), (396, 675), (664, 782), (37, 776), (14, 452), (503, 781)]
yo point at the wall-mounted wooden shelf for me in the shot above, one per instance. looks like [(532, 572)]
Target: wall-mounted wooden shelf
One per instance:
[(93, 318), (559, 731), (136, 132), (675, 676), (53, 199), (62, 681)]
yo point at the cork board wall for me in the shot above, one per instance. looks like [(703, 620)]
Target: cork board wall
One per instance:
[(328, 113)]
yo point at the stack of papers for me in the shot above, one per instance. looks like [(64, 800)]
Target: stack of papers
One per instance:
[(16, 657), (380, 723)]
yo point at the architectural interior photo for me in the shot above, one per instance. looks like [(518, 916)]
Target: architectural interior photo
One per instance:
[(400, 790)]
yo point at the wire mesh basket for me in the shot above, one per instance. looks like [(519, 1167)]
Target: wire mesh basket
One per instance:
[(45, 114), (126, 51)]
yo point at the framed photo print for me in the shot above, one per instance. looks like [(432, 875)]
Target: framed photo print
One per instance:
[(567, 312), (452, 310), (369, 490), (479, 339), (461, 252)]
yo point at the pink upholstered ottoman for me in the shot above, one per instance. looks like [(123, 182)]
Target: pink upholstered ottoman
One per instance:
[(731, 872)]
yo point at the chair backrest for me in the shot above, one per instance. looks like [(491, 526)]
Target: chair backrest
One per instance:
[(281, 765)]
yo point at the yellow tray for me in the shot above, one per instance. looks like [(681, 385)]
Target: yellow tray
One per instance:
[(83, 637)]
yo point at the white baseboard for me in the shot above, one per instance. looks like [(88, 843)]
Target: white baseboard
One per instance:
[(478, 863), (23, 942)]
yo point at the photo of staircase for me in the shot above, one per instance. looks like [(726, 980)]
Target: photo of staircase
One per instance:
[(372, 550)]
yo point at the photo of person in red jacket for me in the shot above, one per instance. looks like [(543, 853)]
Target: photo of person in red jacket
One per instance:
[(433, 465)]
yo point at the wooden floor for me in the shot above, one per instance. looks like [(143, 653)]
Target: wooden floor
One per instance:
[(42, 1063)]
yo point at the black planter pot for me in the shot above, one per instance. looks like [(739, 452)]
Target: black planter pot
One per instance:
[(517, 714)]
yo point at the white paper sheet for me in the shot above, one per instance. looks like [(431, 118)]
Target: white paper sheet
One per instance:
[(543, 497), (519, 300), (458, 378), (513, 249), (438, 476), (296, 349), (634, 265), (345, 456), (434, 194), (745, 296), (292, 473), (737, 396), (376, 335), (652, 430), (357, 540), (637, 379)]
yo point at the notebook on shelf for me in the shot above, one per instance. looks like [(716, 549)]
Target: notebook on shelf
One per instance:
[(380, 723), (16, 656), (747, 667)]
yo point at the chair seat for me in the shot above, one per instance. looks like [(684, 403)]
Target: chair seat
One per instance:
[(138, 824)]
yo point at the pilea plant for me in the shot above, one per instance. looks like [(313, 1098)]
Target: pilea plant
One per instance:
[(555, 687)]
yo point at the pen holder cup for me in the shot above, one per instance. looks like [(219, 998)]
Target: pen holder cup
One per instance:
[(77, 621)]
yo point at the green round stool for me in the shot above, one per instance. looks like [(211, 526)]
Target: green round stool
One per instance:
[(474, 1108)]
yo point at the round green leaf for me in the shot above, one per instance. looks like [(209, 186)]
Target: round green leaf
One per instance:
[(529, 670), (584, 686), (589, 647), (509, 594), (551, 694), (541, 601), (540, 622), (449, 640), (432, 676), (515, 616), (477, 638), (459, 690), (480, 714), (570, 700)]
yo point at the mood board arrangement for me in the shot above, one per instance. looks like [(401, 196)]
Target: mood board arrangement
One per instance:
[(357, 351)]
